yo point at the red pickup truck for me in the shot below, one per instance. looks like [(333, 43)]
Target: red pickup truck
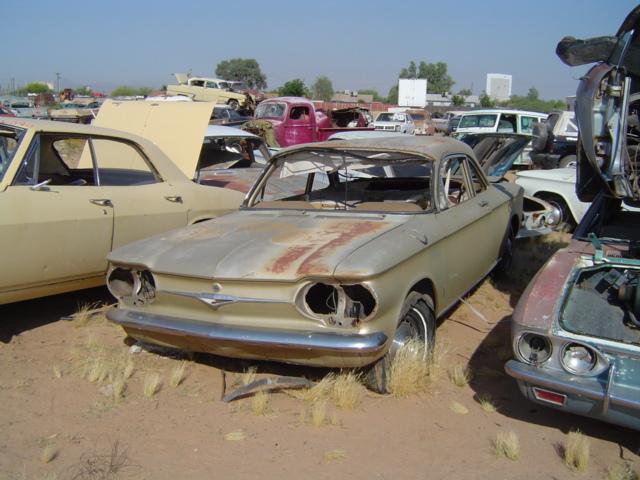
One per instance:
[(296, 120)]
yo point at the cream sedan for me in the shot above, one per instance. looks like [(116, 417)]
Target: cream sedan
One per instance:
[(70, 193)]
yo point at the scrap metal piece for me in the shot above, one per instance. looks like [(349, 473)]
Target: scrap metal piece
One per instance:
[(268, 384)]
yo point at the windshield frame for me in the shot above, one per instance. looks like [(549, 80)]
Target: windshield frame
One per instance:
[(20, 133)]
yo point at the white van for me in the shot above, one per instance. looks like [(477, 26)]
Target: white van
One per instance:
[(499, 121)]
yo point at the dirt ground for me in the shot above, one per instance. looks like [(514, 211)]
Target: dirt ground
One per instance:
[(57, 424)]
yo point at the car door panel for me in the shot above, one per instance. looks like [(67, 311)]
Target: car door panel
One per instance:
[(53, 235)]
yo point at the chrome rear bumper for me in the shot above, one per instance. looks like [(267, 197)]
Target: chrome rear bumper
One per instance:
[(331, 343)]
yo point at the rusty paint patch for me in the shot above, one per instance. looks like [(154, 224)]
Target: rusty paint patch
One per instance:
[(227, 181), (290, 255), (343, 233)]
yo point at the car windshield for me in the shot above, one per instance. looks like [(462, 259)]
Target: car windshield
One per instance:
[(10, 138), (270, 110), (470, 121), (340, 180), (417, 116), (385, 117)]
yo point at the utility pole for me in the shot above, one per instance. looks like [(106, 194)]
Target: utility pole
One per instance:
[(58, 82)]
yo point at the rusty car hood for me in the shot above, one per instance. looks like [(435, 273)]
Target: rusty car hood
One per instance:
[(178, 128), (259, 245)]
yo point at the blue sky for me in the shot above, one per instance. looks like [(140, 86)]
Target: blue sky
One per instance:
[(357, 44)]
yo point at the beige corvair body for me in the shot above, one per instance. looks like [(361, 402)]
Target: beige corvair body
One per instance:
[(320, 277), (70, 193)]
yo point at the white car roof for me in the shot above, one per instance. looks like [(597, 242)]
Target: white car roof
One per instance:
[(221, 131), (502, 110)]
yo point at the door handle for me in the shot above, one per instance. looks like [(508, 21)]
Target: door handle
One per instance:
[(103, 202), (174, 199), (483, 203)]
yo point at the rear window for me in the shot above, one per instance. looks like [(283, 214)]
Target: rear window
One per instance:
[(486, 121)]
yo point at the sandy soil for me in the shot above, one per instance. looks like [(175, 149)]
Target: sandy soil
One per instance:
[(183, 432)]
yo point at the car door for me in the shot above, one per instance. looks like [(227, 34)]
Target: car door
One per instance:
[(53, 225), (143, 203), (299, 126), (471, 221)]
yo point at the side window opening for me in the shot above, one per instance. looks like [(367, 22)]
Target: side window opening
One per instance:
[(453, 186), (120, 164), (299, 113)]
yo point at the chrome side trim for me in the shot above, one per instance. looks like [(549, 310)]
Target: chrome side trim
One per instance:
[(351, 343), (607, 393), (217, 300)]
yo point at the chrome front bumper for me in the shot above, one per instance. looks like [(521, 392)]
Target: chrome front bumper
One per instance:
[(609, 395), (328, 343)]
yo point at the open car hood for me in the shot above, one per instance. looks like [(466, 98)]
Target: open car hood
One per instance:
[(178, 128), (495, 152), (607, 107)]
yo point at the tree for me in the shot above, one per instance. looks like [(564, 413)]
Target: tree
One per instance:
[(243, 69), (410, 72), (465, 92), (293, 88), (438, 80), (322, 89), (125, 91), (393, 95), (486, 101), (457, 100), (533, 94), (83, 91), (34, 87)]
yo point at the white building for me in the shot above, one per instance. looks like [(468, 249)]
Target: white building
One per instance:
[(499, 86), (412, 92)]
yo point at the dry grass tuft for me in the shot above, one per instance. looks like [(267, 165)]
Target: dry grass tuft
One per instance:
[(57, 371), (337, 454), (318, 413), (98, 370), (249, 376), (576, 451), (85, 312), (235, 436), (260, 403), (621, 472), (129, 368), (119, 386), (457, 407), (48, 453), (178, 374), (409, 370), (486, 403), (506, 444), (347, 390), (460, 375), (152, 384)]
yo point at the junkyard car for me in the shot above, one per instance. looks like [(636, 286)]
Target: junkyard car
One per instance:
[(554, 141), (70, 193), (225, 115), (576, 329), (301, 277), (210, 90), (396, 122), (79, 110)]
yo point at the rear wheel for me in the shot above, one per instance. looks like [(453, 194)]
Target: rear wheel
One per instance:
[(417, 321), (506, 255)]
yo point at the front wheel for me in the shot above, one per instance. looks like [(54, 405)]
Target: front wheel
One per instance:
[(566, 222), (417, 321)]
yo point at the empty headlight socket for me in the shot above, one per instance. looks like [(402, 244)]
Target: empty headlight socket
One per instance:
[(337, 304)]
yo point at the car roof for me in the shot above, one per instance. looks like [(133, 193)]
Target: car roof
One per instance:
[(431, 147), (503, 110), (221, 131)]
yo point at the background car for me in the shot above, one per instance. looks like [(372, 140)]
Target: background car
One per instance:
[(576, 328), (225, 115), (70, 193), (554, 141), (394, 121)]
